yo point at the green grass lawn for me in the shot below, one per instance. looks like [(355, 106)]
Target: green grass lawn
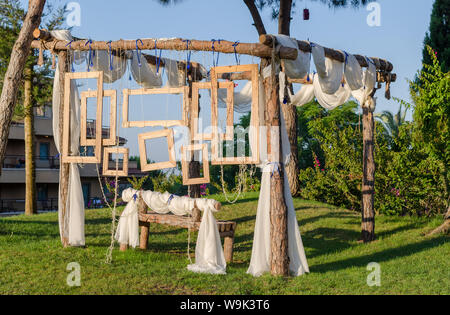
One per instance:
[(32, 260)]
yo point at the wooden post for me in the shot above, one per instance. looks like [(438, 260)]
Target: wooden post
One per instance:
[(63, 64), (145, 226), (194, 166), (279, 259), (30, 172), (228, 242), (368, 184)]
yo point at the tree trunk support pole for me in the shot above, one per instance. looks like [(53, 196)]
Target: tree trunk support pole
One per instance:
[(30, 172), (63, 64), (368, 184), (279, 259)]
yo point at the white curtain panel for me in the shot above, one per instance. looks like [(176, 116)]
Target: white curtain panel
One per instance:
[(128, 228), (72, 222)]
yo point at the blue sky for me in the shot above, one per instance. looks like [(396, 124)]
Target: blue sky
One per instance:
[(399, 38)]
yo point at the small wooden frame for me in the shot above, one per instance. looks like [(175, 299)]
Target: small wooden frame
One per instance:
[(112, 94), (66, 157), (165, 133), (217, 72), (185, 159), (115, 150), (184, 90), (196, 86)]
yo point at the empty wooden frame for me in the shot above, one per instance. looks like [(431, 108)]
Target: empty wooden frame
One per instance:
[(184, 90), (185, 159), (115, 150), (216, 143), (112, 94), (228, 135), (97, 144), (165, 133)]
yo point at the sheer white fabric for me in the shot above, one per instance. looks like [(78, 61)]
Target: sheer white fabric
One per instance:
[(303, 96), (71, 224), (298, 68), (128, 228), (369, 81), (145, 74), (209, 257), (330, 101), (101, 62), (259, 262), (330, 71), (353, 73)]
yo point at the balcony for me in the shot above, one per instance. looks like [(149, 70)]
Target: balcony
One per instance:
[(47, 169)]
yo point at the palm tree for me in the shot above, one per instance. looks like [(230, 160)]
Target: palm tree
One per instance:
[(392, 122)]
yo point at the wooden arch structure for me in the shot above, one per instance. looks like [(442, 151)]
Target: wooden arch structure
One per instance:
[(265, 49)]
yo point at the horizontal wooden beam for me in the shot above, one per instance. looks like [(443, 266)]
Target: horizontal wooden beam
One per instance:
[(252, 49), (382, 77), (380, 64)]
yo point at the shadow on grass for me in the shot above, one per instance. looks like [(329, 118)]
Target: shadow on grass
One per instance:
[(247, 199), (378, 257)]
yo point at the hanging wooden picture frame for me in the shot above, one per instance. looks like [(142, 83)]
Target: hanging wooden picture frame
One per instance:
[(216, 144), (66, 157), (165, 133), (126, 123), (115, 150), (185, 159), (229, 128), (112, 94)]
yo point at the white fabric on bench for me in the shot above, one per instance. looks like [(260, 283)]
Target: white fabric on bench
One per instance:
[(209, 257)]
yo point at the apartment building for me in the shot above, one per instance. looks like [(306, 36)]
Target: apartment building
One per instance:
[(12, 179)]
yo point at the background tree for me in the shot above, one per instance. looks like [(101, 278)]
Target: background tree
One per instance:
[(438, 36), (431, 100), (36, 86), (14, 72)]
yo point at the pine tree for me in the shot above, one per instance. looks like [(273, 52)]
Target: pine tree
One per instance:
[(438, 36)]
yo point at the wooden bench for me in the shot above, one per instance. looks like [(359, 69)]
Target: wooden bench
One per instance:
[(226, 228)]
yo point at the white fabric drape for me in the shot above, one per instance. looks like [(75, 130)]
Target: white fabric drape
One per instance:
[(209, 257), (128, 228), (145, 74), (369, 80), (331, 101), (298, 68), (71, 225), (330, 71), (261, 248), (353, 72), (101, 62)]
